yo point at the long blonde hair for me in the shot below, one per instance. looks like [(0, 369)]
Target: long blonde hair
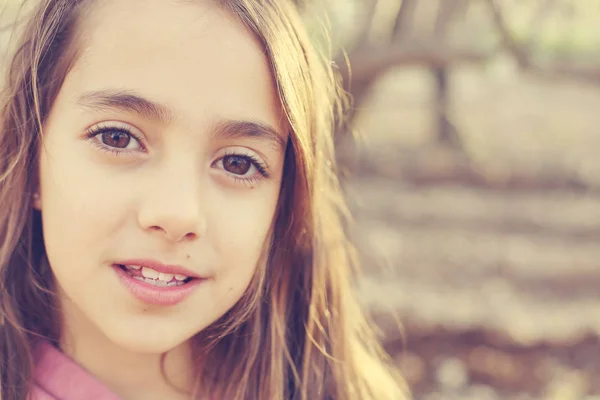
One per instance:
[(298, 332)]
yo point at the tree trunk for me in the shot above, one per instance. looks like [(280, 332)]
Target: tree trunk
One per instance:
[(446, 133)]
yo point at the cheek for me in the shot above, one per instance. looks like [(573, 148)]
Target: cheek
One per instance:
[(79, 208), (239, 227)]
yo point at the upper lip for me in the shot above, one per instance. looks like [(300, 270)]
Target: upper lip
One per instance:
[(160, 267)]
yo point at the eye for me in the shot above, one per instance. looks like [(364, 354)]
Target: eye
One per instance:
[(242, 166), (236, 164), (115, 138), (118, 138)]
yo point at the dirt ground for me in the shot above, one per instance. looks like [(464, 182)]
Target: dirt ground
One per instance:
[(489, 258)]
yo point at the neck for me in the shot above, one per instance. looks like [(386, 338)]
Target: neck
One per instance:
[(130, 375)]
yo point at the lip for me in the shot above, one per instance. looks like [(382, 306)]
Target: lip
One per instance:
[(156, 295), (160, 267)]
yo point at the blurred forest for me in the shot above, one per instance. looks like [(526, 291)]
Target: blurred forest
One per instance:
[(474, 182), (475, 185)]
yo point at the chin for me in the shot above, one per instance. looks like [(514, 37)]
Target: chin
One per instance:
[(155, 341)]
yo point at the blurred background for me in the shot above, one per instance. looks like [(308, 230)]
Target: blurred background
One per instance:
[(474, 179), (475, 187)]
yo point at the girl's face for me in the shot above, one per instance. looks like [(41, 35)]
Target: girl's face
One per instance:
[(164, 150)]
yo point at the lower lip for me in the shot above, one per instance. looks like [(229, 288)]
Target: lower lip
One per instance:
[(157, 295)]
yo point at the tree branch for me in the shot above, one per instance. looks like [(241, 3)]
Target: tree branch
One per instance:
[(365, 29), (446, 13), (509, 42), (588, 74), (371, 61), (404, 20)]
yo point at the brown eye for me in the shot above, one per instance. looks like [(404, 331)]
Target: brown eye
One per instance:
[(237, 165), (116, 139)]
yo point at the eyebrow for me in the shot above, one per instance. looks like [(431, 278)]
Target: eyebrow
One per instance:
[(231, 129), (128, 101), (104, 100)]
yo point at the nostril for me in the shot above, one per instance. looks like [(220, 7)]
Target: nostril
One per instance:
[(175, 227), (172, 234)]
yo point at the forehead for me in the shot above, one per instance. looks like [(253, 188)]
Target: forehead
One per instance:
[(191, 55)]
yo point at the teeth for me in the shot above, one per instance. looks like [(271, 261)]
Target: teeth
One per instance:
[(152, 274), (149, 273), (158, 283), (165, 277)]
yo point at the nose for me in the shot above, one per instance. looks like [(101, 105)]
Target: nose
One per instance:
[(173, 207)]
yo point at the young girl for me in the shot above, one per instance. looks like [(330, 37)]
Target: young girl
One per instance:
[(170, 220)]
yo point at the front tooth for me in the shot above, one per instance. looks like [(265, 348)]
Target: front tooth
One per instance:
[(180, 277), (133, 267), (165, 277), (149, 273)]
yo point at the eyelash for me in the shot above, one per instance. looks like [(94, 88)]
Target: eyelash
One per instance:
[(95, 131), (260, 166)]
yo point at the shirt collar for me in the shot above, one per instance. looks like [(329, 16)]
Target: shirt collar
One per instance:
[(64, 379)]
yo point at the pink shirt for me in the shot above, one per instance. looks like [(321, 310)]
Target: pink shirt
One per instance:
[(57, 377)]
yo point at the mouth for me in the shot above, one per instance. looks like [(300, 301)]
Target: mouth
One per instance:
[(153, 277), (160, 288)]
